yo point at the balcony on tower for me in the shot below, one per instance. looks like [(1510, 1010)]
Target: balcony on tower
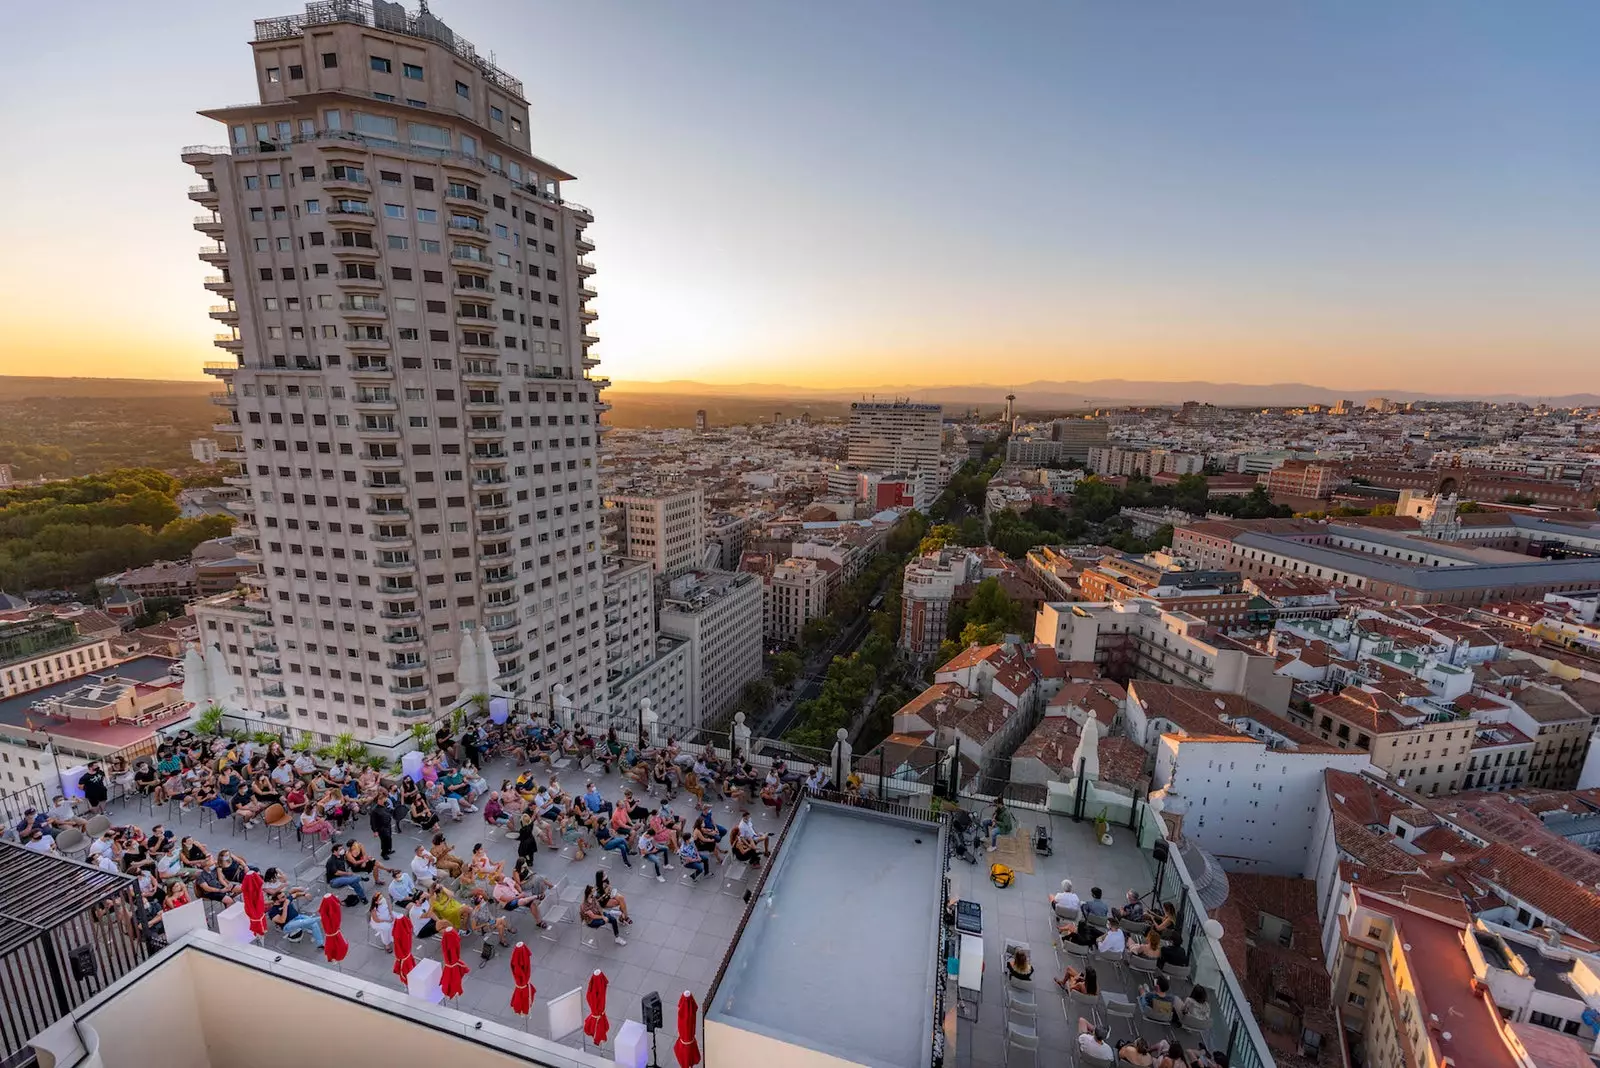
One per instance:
[(343, 179)]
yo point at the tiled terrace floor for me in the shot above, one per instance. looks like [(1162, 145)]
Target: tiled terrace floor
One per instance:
[(1022, 912), (678, 938)]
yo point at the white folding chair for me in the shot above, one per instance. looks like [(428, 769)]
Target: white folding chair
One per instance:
[(1023, 1038), (733, 875)]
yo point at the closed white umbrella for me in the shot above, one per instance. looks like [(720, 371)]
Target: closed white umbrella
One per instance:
[(490, 662), (220, 687), (469, 670), (196, 680)]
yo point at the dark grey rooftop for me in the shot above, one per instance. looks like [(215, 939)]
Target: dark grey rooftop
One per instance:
[(1465, 577), (840, 953), (146, 669), (1549, 976)]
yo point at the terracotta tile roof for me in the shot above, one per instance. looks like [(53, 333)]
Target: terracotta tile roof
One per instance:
[(1351, 795), (1122, 762), (983, 722), (1102, 698), (1375, 712), (1550, 705), (1053, 741), (971, 656), (1195, 712), (1541, 886), (1269, 972), (1371, 849), (933, 705)]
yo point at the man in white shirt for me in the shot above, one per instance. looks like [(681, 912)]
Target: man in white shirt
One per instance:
[(283, 775), (422, 866), (104, 846), (1066, 899), (1092, 1042), (41, 843), (1113, 941), (304, 764), (748, 829)]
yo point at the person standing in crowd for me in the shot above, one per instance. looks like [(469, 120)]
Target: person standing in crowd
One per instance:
[(382, 822)]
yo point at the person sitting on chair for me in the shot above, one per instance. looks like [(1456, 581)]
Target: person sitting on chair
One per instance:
[(1018, 966), (1114, 940), (1084, 982), (1149, 948), (1158, 1003), (1133, 910), (1136, 1054), (1194, 1011), (594, 914), (1092, 1041), (998, 825), (1096, 906), (1065, 899)]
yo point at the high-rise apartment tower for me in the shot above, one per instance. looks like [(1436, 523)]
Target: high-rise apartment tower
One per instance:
[(407, 389), (895, 436)]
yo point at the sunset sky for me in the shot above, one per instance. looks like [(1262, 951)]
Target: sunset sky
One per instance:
[(1352, 193)]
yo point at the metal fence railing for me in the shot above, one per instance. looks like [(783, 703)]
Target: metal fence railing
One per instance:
[(14, 804), (67, 931)]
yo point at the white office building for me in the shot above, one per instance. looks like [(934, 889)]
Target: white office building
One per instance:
[(406, 387), (641, 662), (668, 529), (895, 436), (719, 615)]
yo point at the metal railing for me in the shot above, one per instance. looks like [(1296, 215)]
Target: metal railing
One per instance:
[(360, 13), (14, 804), (55, 913), (388, 147)]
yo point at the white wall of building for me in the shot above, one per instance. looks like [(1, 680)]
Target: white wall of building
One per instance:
[(1252, 807)]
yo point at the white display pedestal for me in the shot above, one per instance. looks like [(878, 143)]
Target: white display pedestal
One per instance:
[(71, 781), (233, 925), (411, 765), (632, 1045), (183, 919), (424, 981)]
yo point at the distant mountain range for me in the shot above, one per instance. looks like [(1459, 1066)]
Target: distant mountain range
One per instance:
[(1045, 395), (1098, 393)]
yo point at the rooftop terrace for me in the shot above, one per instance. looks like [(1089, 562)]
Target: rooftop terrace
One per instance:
[(845, 947)]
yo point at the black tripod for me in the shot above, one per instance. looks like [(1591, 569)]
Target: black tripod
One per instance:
[(1161, 852)]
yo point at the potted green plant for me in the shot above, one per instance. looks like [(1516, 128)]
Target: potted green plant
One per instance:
[(304, 744), (263, 738), (422, 736), (209, 721), (347, 748), (1102, 828)]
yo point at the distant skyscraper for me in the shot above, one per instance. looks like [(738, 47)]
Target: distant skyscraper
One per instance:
[(1011, 408), (700, 421), (414, 458), (1078, 436), (895, 436)]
